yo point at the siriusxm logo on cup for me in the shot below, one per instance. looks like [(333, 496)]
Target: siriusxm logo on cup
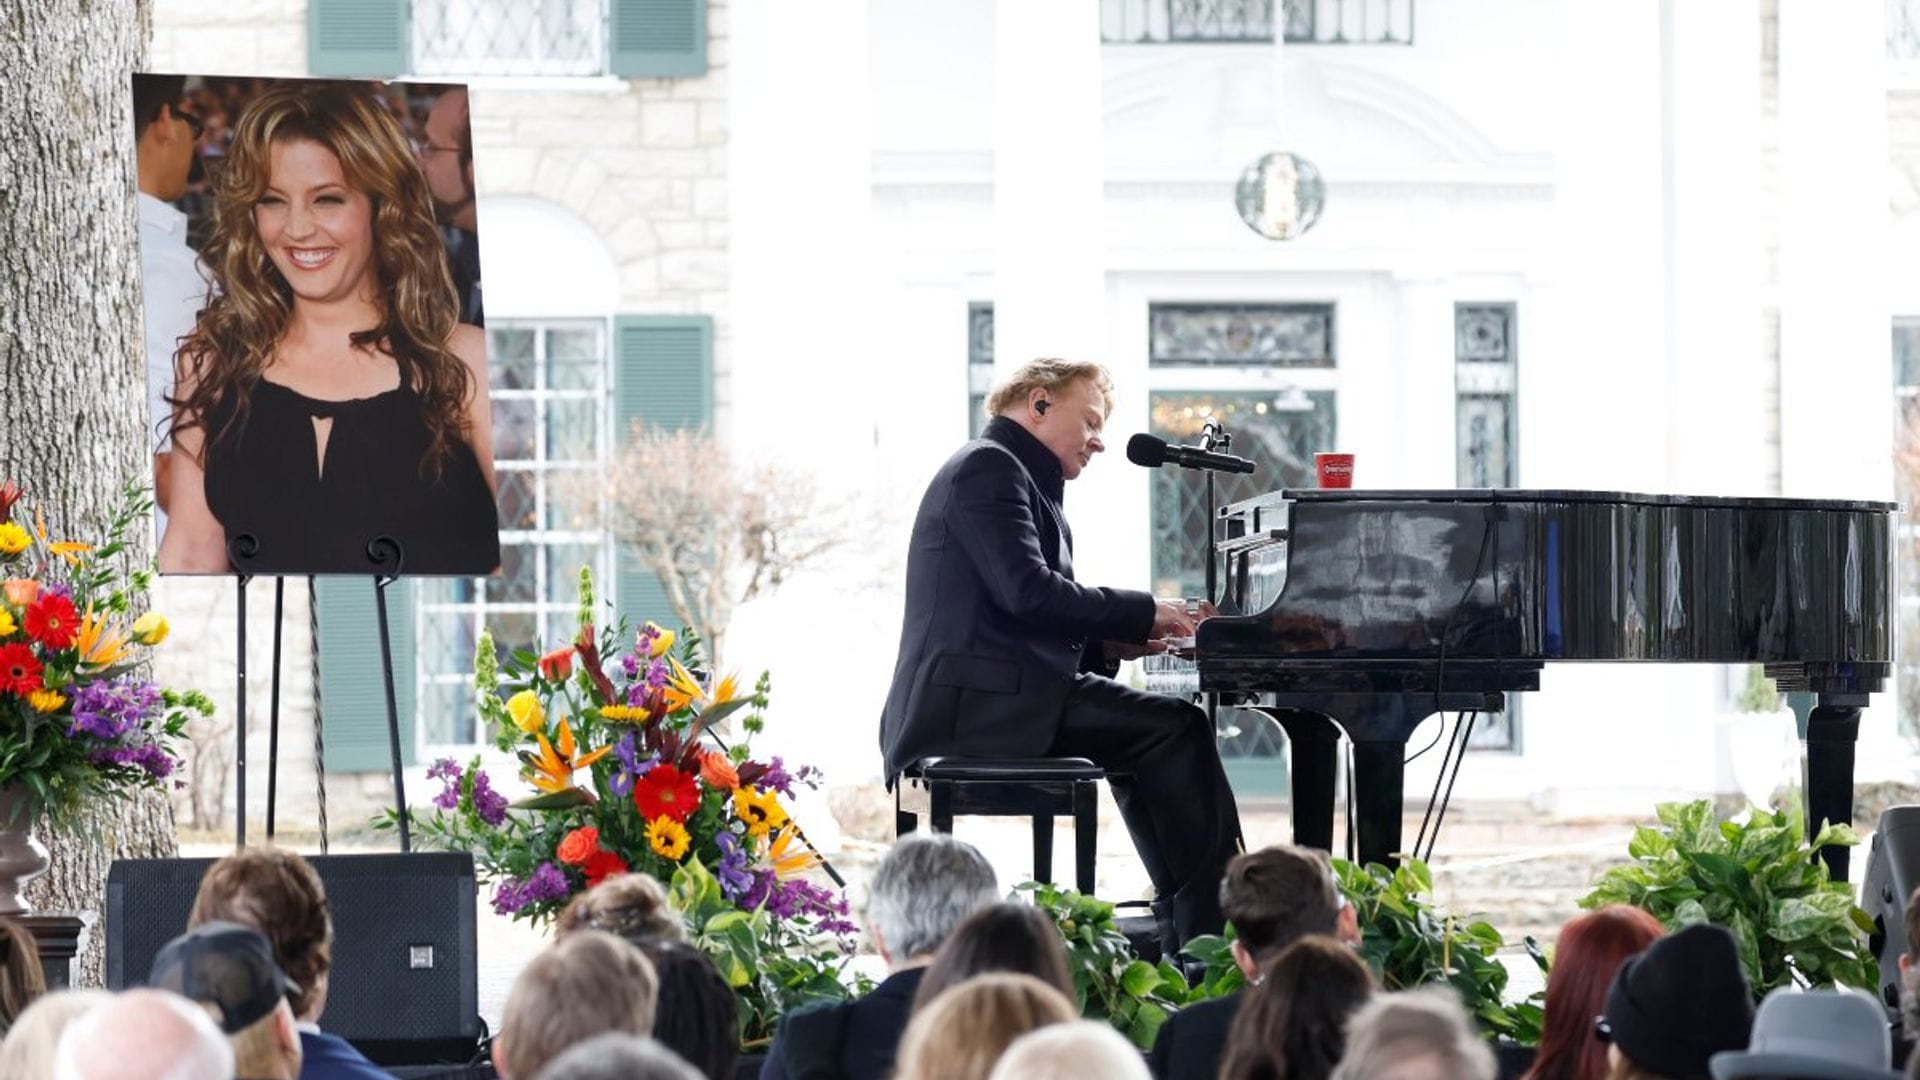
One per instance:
[(1334, 470)]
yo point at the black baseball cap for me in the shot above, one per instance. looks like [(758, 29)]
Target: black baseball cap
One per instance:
[(227, 966)]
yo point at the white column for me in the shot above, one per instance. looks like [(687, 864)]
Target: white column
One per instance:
[(1835, 414), (1715, 367), (1049, 285), (1423, 441)]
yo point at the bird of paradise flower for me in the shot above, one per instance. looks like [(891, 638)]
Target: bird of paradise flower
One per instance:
[(552, 769)]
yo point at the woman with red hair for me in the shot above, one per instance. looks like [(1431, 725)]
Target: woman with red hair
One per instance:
[(1590, 950)]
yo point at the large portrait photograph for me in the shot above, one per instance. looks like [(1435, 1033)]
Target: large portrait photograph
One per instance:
[(316, 363)]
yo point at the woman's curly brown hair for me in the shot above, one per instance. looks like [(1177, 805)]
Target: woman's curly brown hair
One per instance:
[(247, 310), (278, 893)]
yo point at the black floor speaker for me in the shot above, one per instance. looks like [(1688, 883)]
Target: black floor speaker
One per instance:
[(1893, 872), (404, 986)]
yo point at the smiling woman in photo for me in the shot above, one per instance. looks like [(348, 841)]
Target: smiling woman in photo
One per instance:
[(328, 397)]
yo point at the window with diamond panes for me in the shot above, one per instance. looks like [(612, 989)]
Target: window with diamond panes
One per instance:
[(1307, 22), (549, 395), (979, 366), (1270, 366), (485, 37)]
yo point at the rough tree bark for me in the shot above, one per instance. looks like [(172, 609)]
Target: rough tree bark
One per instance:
[(72, 396)]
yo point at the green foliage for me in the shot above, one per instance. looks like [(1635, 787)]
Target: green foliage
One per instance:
[(1757, 694), (1111, 983), (1408, 943), (1758, 879)]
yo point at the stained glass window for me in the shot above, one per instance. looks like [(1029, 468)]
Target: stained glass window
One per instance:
[(549, 395), (1241, 335), (1484, 378)]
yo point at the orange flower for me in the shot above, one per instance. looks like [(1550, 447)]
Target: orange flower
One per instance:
[(552, 771), (717, 771), (557, 664), (99, 647), (70, 550), (578, 846), (784, 865)]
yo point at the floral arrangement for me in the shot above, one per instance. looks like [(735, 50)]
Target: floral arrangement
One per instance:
[(619, 740), (78, 719)]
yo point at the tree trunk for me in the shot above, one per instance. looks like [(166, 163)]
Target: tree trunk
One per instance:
[(72, 380)]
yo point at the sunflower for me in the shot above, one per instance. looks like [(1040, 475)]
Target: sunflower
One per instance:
[(668, 838), (46, 701), (759, 809), (624, 714)]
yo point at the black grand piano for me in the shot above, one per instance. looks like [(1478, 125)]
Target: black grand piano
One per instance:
[(1365, 612)]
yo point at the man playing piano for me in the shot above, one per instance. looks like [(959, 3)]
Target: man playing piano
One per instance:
[(1003, 654)]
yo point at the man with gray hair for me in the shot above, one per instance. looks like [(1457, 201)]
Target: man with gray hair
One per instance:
[(927, 885), (144, 1035), (1421, 1034), (616, 1055)]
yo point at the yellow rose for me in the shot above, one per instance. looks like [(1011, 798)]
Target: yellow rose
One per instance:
[(13, 539), (528, 714), (662, 641), (7, 626), (150, 629)]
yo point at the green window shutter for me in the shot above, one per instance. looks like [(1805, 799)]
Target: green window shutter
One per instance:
[(663, 377), (352, 690), (658, 39), (367, 38)]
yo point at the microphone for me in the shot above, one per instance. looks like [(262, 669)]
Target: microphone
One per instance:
[(1145, 449)]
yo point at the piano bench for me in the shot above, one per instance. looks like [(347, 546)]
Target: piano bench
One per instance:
[(943, 788)]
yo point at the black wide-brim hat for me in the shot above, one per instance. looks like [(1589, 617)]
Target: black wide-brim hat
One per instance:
[(1685, 999)]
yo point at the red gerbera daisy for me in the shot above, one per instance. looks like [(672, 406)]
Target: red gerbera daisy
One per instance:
[(19, 671), (666, 792), (601, 865), (51, 621)]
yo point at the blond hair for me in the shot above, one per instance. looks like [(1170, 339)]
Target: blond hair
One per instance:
[(1053, 375), (962, 1032), (258, 1049), (30, 1042), (630, 906), (589, 982)]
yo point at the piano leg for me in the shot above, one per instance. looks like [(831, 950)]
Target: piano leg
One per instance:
[(1833, 728), (1313, 744), (1379, 795)]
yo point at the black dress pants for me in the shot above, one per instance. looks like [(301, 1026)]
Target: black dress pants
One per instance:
[(1163, 766)]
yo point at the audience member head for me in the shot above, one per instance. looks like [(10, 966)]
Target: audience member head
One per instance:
[(1590, 950), (962, 1033), (1277, 895), (927, 885), (21, 979), (228, 970), (616, 1055), (1828, 1034), (631, 906), (1292, 1022), (1000, 937), (143, 1035), (28, 1047), (1077, 1050), (698, 1016), (1673, 1007), (1910, 970), (278, 893), (1415, 1035), (587, 983)]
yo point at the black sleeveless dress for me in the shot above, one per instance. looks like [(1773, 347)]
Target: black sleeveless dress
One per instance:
[(283, 514)]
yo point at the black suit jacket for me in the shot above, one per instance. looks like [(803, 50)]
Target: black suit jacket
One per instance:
[(996, 628), (1193, 1040), (868, 1034)]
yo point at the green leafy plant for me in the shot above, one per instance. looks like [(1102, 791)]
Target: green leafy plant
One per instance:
[(1111, 983), (1408, 943), (1758, 879)]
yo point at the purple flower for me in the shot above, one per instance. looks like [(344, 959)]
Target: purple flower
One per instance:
[(148, 757), (657, 674), (445, 768), (630, 664), (631, 766), (109, 710), (488, 803), (776, 778), (732, 873), (545, 883)]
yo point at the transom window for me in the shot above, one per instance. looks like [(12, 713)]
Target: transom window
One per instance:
[(485, 37)]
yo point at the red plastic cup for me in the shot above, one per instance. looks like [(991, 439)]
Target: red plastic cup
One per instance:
[(1335, 470)]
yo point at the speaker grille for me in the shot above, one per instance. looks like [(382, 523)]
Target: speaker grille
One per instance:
[(404, 986)]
